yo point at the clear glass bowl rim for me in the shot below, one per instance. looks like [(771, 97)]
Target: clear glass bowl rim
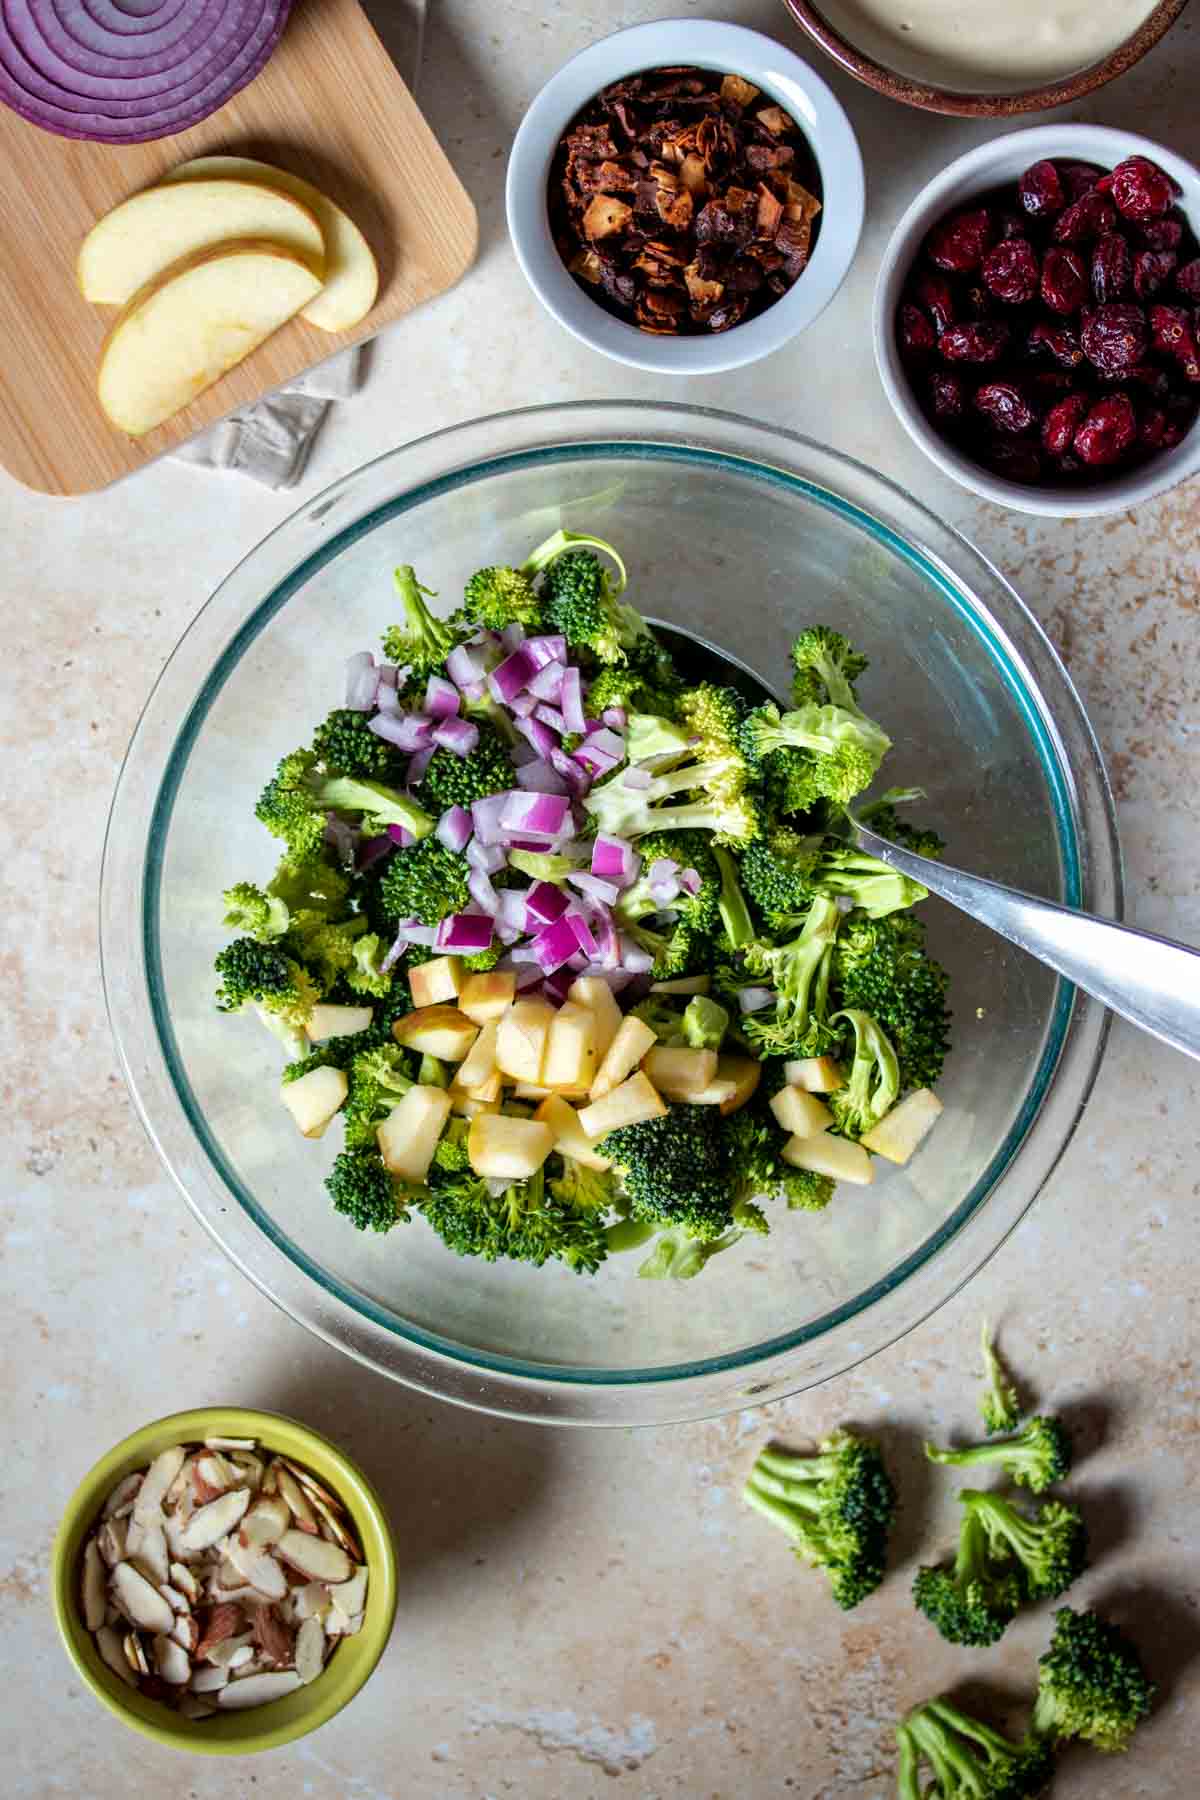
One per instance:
[(174, 712)]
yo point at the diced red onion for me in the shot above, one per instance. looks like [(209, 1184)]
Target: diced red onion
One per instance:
[(400, 834), (513, 636), (633, 958), (474, 690), (523, 953), (521, 753), (601, 751), (407, 731), (754, 999), (399, 946), (389, 677), (664, 892), (508, 934), (441, 698), (662, 867), (488, 857), (459, 736), (540, 736), (529, 976), (510, 676), (540, 778), (609, 947), (615, 859), (523, 705), (636, 778), (689, 881), (545, 903), (483, 893), (454, 828), (583, 933), (535, 814), (550, 715), (663, 879), (615, 716), (576, 778), (555, 986), (388, 700), (512, 909), (418, 764), (485, 816), (425, 935), (362, 680), (370, 850), (547, 683), (570, 699), (554, 946), (594, 888), (465, 666), (467, 932), (546, 649)]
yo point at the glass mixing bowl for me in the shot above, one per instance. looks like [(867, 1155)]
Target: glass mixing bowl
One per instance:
[(738, 533)]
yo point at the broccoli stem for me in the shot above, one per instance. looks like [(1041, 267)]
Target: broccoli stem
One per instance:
[(735, 914), (561, 541)]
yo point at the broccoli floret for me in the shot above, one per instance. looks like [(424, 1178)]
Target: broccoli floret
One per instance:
[(523, 1222), (278, 989), (314, 884), (722, 805), (714, 715), (653, 734), (452, 780), (799, 971), (262, 916), (677, 1256), (379, 1080), (754, 1143), (882, 966), (422, 643), (499, 596), (664, 1018), (345, 745), (325, 948), (826, 667), (624, 685), (691, 850), (425, 882), (882, 817), (704, 1023), (777, 873), (974, 1599), (969, 1760), (581, 1188), (864, 879), (873, 1084), (844, 750), (580, 598), (837, 1507), (451, 1152), (362, 1189), (673, 1169), (1050, 1549), (296, 800), (1091, 1684), (999, 1404), (366, 974), (1037, 1457)]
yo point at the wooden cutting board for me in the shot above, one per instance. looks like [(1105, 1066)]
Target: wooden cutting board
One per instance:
[(329, 105)]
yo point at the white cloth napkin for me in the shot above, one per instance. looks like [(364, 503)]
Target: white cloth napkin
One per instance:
[(271, 442)]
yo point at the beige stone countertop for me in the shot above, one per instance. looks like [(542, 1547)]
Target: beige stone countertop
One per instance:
[(589, 1614)]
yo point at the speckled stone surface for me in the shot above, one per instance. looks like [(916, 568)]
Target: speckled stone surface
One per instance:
[(584, 1615)]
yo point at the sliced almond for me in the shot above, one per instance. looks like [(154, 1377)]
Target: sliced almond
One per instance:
[(270, 1480), (213, 1521), (311, 1601), (350, 1595), (174, 1599), (108, 1643), (223, 1622), (186, 1631), (135, 1656), (265, 1523), (315, 1557), (310, 1650), (223, 1654), (272, 1636), (251, 1467), (257, 1690), (93, 1586), (241, 1657), (332, 1527), (158, 1478), (336, 1623), (224, 1443), (146, 1545), (111, 1540), (193, 1707), (112, 1614), (182, 1578), (309, 1480), (298, 1503), (181, 1484), (259, 1568), (208, 1679), (120, 1501), (141, 1603), (172, 1661)]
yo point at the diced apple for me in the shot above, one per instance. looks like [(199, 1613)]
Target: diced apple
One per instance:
[(440, 1031), (432, 982), (628, 1104), (816, 1074), (745, 1072), (491, 1089), (521, 1039), (313, 1099), (833, 1156), (570, 1139), (801, 1113), (685, 984), (570, 1060), (898, 1134), (624, 1054), (325, 1022), (408, 1136), (678, 1071), (486, 997), (504, 1149), (594, 992), (479, 1064), (466, 1106), (717, 1093)]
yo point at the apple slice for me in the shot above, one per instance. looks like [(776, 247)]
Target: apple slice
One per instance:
[(898, 1134), (504, 1149), (200, 317), (440, 1031), (433, 982), (137, 240), (314, 1099), (408, 1136), (800, 1112), (679, 1071), (836, 1157), (487, 996), (628, 1104), (626, 1051), (594, 992), (570, 1139), (521, 1039), (351, 277), (325, 1022)]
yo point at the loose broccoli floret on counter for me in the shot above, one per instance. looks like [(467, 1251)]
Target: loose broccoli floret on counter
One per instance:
[(260, 977), (453, 780), (262, 916), (800, 1023), (345, 745), (873, 1084), (777, 873), (524, 1222), (425, 882), (422, 643), (883, 967), (1037, 1457), (974, 1599), (837, 1507), (999, 1404), (673, 1169), (843, 752), (968, 1759), (826, 667), (1091, 1684), (1050, 1549), (362, 1189)]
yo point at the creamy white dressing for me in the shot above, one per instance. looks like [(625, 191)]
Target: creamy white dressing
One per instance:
[(986, 45)]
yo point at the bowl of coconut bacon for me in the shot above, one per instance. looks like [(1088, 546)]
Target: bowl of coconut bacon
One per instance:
[(1011, 56)]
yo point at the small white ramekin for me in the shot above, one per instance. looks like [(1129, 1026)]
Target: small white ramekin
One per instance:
[(705, 44), (989, 166)]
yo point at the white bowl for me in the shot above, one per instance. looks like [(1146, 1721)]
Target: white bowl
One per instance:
[(987, 167), (706, 45)]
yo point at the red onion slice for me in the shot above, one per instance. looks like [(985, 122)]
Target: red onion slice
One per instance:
[(362, 682), (441, 698), (583, 933), (547, 683), (754, 999), (550, 715), (407, 731), (488, 857), (615, 859), (457, 735), (454, 828), (401, 835), (554, 946), (509, 677), (594, 888), (545, 904), (483, 893), (539, 777), (466, 932), (570, 700), (535, 814)]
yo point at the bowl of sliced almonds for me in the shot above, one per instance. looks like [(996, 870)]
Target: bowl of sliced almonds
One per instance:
[(224, 1580)]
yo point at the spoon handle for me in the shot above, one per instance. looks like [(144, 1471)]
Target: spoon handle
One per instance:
[(1151, 981)]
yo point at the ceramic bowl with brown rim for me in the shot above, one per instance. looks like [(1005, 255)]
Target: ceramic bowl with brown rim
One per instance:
[(1016, 56)]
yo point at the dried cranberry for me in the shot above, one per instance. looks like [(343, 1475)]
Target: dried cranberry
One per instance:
[(1062, 422), (1114, 338), (1141, 189), (1107, 432), (1111, 267), (1151, 268), (1010, 271), (1010, 225), (1161, 234), (1059, 340), (958, 244), (1012, 458), (980, 341), (1187, 279), (1079, 178), (917, 336), (1040, 190), (1084, 220), (947, 395), (933, 292), (1152, 428), (1004, 406), (1064, 281), (1172, 334)]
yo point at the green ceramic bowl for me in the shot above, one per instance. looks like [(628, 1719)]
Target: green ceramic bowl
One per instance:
[(281, 1721)]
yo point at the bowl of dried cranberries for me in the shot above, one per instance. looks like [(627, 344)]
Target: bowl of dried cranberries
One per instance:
[(1037, 320)]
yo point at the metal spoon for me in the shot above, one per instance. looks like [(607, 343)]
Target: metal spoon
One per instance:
[(1152, 981)]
